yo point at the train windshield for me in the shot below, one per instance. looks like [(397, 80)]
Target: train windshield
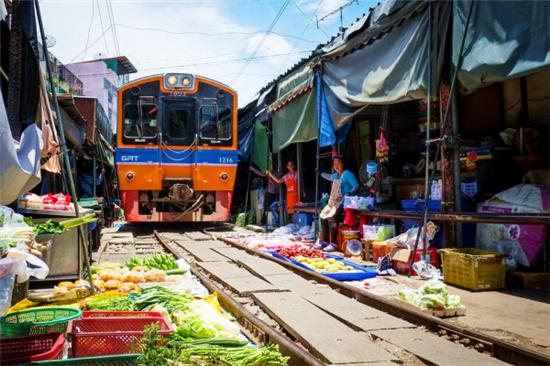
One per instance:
[(215, 122), (179, 122), (140, 120)]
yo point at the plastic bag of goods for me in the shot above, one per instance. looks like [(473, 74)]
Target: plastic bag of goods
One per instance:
[(8, 270), (522, 243)]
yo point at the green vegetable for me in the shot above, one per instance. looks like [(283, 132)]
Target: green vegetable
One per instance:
[(69, 224), (158, 295), (214, 352), (117, 303), (160, 261), (133, 262), (178, 271), (48, 227)]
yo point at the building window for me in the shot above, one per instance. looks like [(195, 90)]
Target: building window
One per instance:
[(110, 96), (107, 84)]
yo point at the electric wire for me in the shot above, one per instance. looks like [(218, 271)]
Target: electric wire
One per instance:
[(260, 44), (91, 44), (102, 26), (89, 29), (113, 28), (217, 34)]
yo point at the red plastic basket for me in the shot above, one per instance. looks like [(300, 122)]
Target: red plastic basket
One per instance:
[(110, 336), (120, 314), (18, 350)]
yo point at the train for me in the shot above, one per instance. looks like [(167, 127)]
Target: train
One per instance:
[(176, 154)]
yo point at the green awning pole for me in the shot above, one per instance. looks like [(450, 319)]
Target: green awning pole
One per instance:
[(63, 143)]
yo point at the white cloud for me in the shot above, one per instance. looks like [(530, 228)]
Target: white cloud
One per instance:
[(270, 44)]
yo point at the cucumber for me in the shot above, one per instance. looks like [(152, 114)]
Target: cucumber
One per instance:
[(178, 271)]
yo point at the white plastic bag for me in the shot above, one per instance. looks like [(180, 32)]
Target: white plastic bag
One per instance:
[(29, 265), (8, 269)]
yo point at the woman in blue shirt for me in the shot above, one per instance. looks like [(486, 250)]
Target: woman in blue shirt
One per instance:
[(349, 185)]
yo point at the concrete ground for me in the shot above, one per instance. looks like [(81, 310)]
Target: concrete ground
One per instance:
[(519, 316)]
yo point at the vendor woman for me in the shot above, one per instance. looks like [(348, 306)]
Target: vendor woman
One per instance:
[(290, 180), (349, 185)]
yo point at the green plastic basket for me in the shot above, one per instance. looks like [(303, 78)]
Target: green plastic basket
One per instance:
[(37, 321), (116, 360)]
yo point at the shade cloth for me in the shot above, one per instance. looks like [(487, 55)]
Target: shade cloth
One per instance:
[(506, 39), (260, 147)]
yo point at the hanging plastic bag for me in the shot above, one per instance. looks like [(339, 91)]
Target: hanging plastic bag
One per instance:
[(8, 269), (28, 265)]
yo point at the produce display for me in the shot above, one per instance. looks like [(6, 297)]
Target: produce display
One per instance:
[(196, 331), (329, 265), (432, 295), (158, 261), (293, 252), (206, 352)]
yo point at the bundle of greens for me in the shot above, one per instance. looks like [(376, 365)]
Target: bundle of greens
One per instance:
[(158, 261), (213, 352), (48, 227), (153, 296), (432, 295), (114, 303)]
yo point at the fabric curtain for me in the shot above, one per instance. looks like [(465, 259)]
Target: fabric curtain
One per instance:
[(506, 39), (295, 122), (19, 160), (260, 147), (390, 66)]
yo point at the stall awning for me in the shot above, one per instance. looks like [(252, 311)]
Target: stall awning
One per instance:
[(260, 147), (385, 59), (506, 39)]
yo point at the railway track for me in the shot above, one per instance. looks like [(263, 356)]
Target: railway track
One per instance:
[(262, 325)]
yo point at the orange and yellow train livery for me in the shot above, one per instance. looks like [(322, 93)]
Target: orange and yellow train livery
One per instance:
[(176, 148)]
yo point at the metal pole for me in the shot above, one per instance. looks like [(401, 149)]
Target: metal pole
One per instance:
[(442, 137), (318, 150), (282, 219), (94, 169), (63, 145), (456, 166), (427, 189), (299, 166)]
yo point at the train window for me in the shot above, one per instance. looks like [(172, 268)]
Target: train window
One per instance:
[(215, 122), (179, 122), (140, 120)]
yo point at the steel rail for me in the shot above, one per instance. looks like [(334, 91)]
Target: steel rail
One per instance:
[(255, 326), (502, 350)]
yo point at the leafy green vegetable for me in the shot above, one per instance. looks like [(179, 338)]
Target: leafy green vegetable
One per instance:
[(48, 227), (158, 295), (216, 352), (116, 303), (160, 261)]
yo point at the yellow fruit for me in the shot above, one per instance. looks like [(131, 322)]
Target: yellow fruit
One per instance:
[(331, 260)]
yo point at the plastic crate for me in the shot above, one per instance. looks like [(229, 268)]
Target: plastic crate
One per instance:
[(117, 360), (418, 205), (110, 336), (360, 273), (37, 321), (120, 314), (20, 350), (474, 269)]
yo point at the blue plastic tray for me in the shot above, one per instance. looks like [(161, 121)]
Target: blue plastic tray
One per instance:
[(362, 273)]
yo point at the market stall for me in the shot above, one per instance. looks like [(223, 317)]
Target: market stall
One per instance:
[(148, 311)]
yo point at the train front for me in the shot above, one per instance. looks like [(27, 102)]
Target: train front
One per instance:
[(176, 150)]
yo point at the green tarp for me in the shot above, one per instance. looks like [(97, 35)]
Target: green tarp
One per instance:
[(506, 39), (260, 147), (295, 122)]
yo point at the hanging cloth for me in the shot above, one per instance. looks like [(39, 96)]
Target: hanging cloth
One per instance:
[(44, 117)]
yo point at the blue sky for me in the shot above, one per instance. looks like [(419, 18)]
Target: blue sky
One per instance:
[(214, 38)]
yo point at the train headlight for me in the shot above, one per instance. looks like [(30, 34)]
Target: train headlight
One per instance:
[(172, 80), (130, 176), (186, 81), (224, 177)]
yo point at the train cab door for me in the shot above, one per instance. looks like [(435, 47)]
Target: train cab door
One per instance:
[(178, 137)]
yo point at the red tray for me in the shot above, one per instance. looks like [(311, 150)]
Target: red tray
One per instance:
[(110, 336), (120, 314), (18, 350)]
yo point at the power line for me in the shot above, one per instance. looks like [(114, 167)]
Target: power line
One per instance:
[(113, 28), (271, 26), (92, 44), (212, 63), (89, 30), (311, 19), (206, 34), (102, 27)]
